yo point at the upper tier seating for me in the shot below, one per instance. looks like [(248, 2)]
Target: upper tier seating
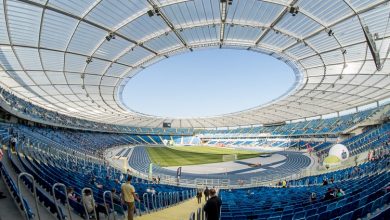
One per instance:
[(311, 127), (34, 112)]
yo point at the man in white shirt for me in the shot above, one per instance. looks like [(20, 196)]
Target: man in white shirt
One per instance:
[(90, 205)]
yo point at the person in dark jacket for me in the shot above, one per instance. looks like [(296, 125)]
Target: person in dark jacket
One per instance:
[(206, 194), (199, 196), (213, 206)]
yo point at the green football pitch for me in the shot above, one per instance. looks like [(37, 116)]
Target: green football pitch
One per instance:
[(190, 155)]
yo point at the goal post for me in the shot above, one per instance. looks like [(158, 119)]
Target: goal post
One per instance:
[(229, 157)]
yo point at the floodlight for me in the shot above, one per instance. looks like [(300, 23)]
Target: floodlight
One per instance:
[(150, 13), (330, 32), (89, 60), (294, 10), (110, 36)]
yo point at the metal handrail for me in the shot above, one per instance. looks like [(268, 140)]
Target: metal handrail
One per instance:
[(146, 202), (170, 198), (160, 200), (165, 199), (174, 198), (66, 200), (106, 206), (192, 216), (198, 214), (93, 203), (34, 194), (154, 201), (139, 206)]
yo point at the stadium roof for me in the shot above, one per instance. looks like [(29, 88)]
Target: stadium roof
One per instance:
[(75, 56)]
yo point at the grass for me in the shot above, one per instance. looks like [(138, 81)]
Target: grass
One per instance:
[(180, 156)]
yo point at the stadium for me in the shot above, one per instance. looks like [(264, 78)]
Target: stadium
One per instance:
[(72, 147)]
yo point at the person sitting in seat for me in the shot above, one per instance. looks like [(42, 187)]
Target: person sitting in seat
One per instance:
[(339, 192), (313, 197), (90, 204), (329, 195), (98, 185), (115, 197), (71, 195)]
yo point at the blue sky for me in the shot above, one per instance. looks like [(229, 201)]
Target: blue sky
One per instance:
[(208, 82)]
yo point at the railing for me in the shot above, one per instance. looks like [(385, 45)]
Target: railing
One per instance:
[(66, 200), (145, 199), (110, 209), (34, 194)]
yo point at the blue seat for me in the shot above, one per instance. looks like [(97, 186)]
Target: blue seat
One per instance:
[(377, 204), (310, 212), (383, 215), (287, 216), (240, 217), (335, 212), (323, 216), (313, 217), (341, 203), (331, 206), (386, 199), (367, 209), (321, 209), (357, 213), (346, 216)]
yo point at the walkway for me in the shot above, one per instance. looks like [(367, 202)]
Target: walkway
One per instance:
[(178, 212)]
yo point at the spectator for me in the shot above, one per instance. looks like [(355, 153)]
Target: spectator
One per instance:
[(284, 183), (325, 182), (206, 194), (129, 196), (213, 206), (71, 195), (98, 185), (13, 143), (339, 192), (331, 180), (90, 204), (313, 197), (199, 196), (115, 198), (329, 195)]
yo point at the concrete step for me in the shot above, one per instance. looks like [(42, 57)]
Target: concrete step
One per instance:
[(44, 213), (12, 211)]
